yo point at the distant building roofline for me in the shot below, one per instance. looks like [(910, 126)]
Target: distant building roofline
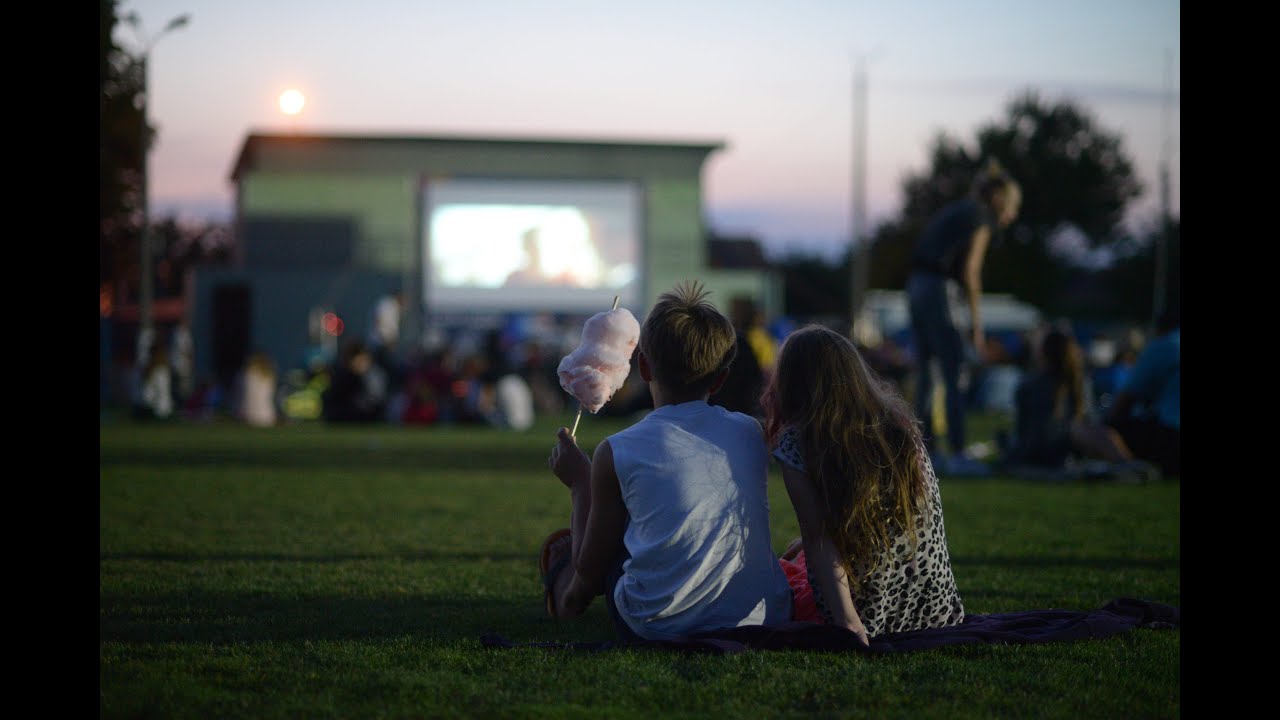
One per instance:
[(255, 140)]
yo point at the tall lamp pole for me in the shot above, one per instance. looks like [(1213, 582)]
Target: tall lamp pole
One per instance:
[(146, 290), (859, 253), (1159, 299)]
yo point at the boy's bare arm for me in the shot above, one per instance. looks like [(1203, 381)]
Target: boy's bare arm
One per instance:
[(570, 464), (602, 538), (568, 461)]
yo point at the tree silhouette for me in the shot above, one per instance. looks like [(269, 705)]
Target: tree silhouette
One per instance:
[(120, 156), (1131, 279), (813, 287), (1075, 178)]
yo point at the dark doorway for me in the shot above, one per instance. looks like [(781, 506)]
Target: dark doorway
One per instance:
[(231, 330)]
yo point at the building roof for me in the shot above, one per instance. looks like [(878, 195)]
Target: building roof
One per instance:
[(255, 142)]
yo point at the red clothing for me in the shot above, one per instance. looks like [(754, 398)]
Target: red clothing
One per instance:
[(803, 606)]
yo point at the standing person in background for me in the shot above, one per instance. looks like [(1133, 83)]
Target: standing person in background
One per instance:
[(1147, 411), (182, 354), (257, 404), (154, 399), (384, 339), (950, 252), (386, 322)]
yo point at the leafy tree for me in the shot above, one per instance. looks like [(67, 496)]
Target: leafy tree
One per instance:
[(1075, 177), (813, 287), (182, 246), (120, 154), (1131, 278), (952, 171)]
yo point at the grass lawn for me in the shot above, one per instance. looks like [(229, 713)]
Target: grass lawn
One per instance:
[(317, 572)]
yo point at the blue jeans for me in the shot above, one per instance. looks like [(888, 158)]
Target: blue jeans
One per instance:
[(936, 337)]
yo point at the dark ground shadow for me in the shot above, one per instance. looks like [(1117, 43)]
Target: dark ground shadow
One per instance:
[(321, 559), (494, 458), (1041, 561), (225, 618)]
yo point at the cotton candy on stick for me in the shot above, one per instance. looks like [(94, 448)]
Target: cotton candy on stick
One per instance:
[(599, 366)]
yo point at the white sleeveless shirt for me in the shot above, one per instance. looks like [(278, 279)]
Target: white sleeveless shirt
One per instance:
[(694, 478)]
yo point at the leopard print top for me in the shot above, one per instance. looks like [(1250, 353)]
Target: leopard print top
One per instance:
[(906, 592)]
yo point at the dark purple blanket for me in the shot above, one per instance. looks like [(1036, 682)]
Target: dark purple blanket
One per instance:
[(1029, 626)]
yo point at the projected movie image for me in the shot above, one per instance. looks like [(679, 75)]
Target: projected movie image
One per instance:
[(503, 245)]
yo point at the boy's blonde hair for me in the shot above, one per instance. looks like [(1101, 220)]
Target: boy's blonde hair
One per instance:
[(686, 340)]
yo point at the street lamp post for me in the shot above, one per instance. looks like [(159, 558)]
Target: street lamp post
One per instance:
[(146, 289), (858, 253), (859, 250), (1159, 299)]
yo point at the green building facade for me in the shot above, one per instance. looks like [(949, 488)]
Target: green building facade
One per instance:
[(337, 221)]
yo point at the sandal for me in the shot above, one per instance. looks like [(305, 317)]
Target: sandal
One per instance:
[(550, 571)]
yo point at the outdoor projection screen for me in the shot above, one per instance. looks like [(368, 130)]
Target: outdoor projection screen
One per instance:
[(501, 245)]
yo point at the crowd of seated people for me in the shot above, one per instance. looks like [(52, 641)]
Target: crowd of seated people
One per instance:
[(1058, 393)]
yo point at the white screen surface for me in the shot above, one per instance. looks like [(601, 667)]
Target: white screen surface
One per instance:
[(522, 245)]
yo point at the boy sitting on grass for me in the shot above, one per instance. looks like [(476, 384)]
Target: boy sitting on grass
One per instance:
[(670, 518)]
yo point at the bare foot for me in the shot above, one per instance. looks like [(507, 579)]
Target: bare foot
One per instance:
[(560, 549)]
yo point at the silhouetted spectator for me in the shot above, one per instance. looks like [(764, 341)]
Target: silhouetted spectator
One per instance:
[(357, 391), (538, 369), (154, 395), (182, 359), (429, 390), (742, 388), (748, 320), (257, 405), (1147, 411), (1053, 420), (384, 339), (472, 396)]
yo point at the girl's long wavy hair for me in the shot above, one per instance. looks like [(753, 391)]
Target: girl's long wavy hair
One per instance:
[(859, 441), (1064, 363)]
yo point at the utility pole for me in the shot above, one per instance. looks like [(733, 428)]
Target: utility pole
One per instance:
[(146, 288), (858, 254), (1162, 238), (859, 243)]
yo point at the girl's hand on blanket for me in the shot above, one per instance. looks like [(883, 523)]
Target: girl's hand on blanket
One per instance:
[(568, 461), (861, 632), (854, 624)]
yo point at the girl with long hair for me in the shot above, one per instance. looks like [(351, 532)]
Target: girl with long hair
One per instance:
[(872, 556), (1053, 414)]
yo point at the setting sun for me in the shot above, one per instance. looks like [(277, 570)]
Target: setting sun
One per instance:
[(291, 102)]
